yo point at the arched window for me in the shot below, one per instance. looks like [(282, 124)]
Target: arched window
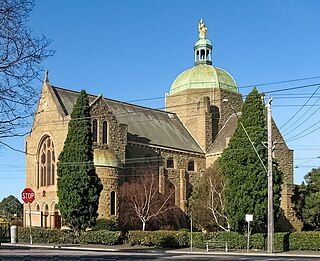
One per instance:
[(95, 130), (170, 163), (47, 162), (113, 203), (191, 165), (104, 132), (46, 216)]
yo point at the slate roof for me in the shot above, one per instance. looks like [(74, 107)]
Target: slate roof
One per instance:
[(145, 125), (227, 131)]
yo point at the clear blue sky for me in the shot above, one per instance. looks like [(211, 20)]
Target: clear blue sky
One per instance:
[(131, 50)]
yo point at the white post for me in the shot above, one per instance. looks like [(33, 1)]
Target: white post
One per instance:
[(191, 232), (270, 180), (249, 218), (30, 222), (248, 243)]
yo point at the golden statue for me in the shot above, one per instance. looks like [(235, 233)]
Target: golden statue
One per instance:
[(202, 30)]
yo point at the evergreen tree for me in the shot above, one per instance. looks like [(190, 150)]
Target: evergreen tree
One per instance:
[(307, 200), (246, 178), (78, 184), (10, 206)]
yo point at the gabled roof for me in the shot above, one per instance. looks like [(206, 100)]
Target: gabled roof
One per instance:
[(145, 125), (226, 132)]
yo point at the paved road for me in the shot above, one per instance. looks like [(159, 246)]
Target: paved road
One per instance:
[(26, 253)]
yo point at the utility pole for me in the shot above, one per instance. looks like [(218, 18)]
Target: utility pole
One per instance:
[(270, 179)]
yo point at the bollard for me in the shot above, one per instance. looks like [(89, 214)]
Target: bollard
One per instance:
[(14, 234)]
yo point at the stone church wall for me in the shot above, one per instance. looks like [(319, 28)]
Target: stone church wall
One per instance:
[(284, 157), (178, 176), (204, 111), (47, 122)]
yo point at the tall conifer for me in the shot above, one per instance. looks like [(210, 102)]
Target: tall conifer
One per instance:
[(246, 178), (78, 184)]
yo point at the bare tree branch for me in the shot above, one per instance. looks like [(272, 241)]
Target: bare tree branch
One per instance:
[(207, 202), (141, 198), (20, 57)]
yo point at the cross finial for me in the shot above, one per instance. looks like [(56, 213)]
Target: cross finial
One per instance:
[(202, 30), (46, 75)]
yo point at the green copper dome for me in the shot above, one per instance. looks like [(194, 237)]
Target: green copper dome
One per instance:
[(203, 76)]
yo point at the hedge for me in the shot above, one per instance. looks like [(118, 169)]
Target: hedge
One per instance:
[(175, 239), (159, 238), (47, 236), (41, 235), (105, 237), (282, 241), (182, 239)]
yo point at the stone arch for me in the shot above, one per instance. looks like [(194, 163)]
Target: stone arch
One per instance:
[(55, 217), (37, 206)]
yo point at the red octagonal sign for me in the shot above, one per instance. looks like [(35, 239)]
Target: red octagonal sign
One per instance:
[(28, 195)]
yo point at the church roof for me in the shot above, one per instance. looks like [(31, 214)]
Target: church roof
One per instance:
[(145, 125), (222, 139), (203, 76)]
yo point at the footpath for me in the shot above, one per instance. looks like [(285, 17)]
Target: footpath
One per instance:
[(194, 251)]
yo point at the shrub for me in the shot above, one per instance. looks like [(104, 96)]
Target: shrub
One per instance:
[(106, 224), (50, 236), (41, 235), (159, 238), (307, 240), (101, 237)]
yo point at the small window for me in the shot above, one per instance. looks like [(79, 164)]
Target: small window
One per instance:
[(94, 130), (170, 163), (104, 132), (191, 165), (113, 203)]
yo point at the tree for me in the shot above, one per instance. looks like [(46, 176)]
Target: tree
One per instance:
[(20, 58), (307, 200), (207, 201), (141, 201), (246, 178), (10, 206), (298, 198), (78, 184)]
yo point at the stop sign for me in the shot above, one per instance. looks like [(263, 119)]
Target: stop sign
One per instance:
[(28, 195)]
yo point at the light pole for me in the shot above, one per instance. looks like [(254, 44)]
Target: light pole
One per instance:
[(270, 179)]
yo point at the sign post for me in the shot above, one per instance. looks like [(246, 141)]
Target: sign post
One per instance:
[(249, 218), (28, 197)]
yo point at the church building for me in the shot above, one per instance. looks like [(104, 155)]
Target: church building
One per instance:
[(181, 142)]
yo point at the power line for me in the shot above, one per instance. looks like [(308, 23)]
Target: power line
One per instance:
[(300, 109)]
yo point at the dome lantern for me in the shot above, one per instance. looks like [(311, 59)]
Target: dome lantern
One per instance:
[(203, 47), (203, 75)]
